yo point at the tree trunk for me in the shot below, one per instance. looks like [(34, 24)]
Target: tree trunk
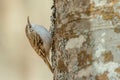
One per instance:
[(86, 39)]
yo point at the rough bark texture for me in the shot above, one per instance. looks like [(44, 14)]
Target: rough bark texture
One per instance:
[(86, 39)]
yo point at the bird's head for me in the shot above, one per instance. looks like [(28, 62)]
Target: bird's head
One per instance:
[(29, 28)]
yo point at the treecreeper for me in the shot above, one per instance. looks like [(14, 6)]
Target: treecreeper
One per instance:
[(40, 40)]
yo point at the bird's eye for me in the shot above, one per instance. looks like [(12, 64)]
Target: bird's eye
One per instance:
[(30, 26)]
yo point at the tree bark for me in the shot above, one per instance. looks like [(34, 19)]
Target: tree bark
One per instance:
[(86, 43)]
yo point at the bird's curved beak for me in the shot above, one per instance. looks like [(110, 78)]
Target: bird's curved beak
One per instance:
[(28, 21)]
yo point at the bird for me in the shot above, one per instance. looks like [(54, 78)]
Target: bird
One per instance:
[(40, 40)]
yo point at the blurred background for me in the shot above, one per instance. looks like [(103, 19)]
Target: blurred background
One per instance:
[(18, 61)]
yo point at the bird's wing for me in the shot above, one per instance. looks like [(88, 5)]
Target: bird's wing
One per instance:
[(39, 44)]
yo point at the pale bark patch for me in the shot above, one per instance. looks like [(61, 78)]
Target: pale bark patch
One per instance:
[(75, 42)]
